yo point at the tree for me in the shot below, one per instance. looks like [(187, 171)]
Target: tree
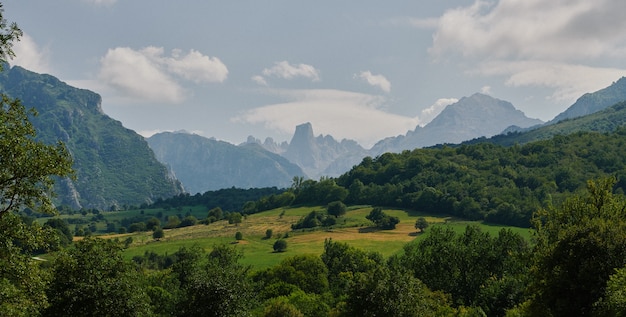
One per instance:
[(579, 246), (172, 222), (234, 218), (421, 224), (382, 220), (268, 233), (153, 223), (336, 208), (22, 280), (158, 234), (280, 245), (92, 279), (238, 236), (214, 286)]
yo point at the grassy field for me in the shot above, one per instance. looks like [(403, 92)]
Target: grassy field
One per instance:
[(352, 228)]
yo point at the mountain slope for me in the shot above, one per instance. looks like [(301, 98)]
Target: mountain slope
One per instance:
[(470, 117), (114, 165), (596, 101), (203, 164), (607, 120)]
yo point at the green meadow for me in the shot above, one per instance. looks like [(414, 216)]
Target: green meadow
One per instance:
[(352, 228)]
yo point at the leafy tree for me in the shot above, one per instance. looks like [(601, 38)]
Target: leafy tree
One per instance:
[(172, 222), (22, 280), (188, 221), (235, 218), (158, 234), (614, 301), (389, 292), (214, 286), (153, 223), (336, 208), (280, 245), (62, 228), (215, 214), (579, 246), (306, 272), (92, 279), (421, 224), (268, 233), (281, 308), (238, 236), (473, 267), (382, 220)]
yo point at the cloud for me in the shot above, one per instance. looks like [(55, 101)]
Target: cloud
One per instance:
[(30, 56), (341, 114), (564, 45), (148, 74), (435, 109), (376, 80), (101, 2), (197, 67), (534, 29), (285, 70), (485, 90), (259, 80), (568, 81)]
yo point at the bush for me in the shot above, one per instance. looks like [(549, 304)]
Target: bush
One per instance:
[(280, 245), (268, 233), (238, 236)]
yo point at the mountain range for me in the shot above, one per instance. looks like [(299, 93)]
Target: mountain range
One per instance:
[(115, 166), (203, 164)]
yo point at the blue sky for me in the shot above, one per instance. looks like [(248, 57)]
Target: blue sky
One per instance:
[(362, 70)]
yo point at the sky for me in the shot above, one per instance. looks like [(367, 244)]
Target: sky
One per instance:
[(361, 70)]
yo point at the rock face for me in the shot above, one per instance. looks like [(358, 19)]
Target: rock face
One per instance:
[(593, 102), (114, 166), (322, 155), (471, 117), (203, 164)]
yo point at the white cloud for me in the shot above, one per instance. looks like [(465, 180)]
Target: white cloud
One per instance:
[(147, 74), (379, 81), (259, 80), (287, 71), (568, 81), (136, 74), (563, 45), (30, 56), (534, 29), (486, 90), (435, 109), (101, 2), (197, 67), (341, 114)]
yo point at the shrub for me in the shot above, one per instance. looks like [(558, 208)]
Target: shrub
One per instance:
[(280, 245)]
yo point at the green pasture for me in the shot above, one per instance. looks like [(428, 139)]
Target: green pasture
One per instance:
[(352, 228)]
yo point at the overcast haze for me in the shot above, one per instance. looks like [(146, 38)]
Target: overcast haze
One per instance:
[(362, 70)]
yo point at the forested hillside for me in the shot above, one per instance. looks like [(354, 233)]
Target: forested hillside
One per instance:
[(485, 181), (114, 166)]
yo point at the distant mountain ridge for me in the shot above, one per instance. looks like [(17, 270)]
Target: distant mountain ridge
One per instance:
[(317, 156), (470, 117), (593, 102), (114, 165), (203, 164)]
